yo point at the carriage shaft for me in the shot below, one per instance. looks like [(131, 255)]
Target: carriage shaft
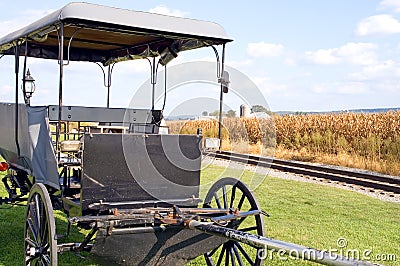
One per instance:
[(272, 245)]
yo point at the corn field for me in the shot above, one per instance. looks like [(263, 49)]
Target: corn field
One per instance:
[(371, 137), (249, 130), (375, 136)]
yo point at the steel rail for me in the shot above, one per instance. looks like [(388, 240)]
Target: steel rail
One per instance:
[(369, 180)]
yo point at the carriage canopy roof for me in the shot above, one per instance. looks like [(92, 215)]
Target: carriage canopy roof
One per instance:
[(105, 34)]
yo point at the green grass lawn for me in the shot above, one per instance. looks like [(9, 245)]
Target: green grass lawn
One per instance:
[(307, 214)]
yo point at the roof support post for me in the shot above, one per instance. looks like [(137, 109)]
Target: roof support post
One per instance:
[(153, 82), (60, 86), (221, 97), (24, 73), (16, 49), (109, 73)]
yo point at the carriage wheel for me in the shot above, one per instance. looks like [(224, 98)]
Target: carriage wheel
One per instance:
[(40, 244), (232, 193)]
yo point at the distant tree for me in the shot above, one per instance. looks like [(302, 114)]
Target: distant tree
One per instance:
[(260, 109), (204, 113), (300, 113), (231, 113), (216, 113)]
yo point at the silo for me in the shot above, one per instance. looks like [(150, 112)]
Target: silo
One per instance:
[(244, 110)]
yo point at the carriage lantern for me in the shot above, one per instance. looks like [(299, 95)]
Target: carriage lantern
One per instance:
[(28, 87)]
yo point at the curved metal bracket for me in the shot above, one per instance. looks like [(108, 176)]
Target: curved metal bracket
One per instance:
[(153, 78), (107, 79), (61, 43), (218, 62), (69, 45)]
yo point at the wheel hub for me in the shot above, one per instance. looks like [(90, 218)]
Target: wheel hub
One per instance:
[(36, 252)]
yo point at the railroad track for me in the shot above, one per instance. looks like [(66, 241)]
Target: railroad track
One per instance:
[(385, 183)]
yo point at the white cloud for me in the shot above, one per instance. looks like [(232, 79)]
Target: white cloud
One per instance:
[(25, 18), (239, 64), (6, 90), (164, 10), (390, 4), (259, 81), (134, 66), (36, 13), (353, 53), (341, 88), (323, 57), (379, 72), (358, 53), (204, 58), (9, 26), (382, 76), (378, 24), (268, 86), (319, 88), (352, 88), (290, 62), (390, 86), (263, 49)]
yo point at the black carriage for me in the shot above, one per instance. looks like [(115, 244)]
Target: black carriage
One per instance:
[(134, 188)]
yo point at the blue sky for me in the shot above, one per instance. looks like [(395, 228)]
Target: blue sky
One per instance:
[(303, 55)]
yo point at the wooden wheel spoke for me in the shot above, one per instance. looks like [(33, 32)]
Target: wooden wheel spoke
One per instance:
[(32, 214), (28, 261), (44, 225), (32, 228), (227, 256), (37, 207), (44, 233), (38, 216), (46, 248), (241, 249), (46, 259), (213, 251), (217, 200), (237, 255), (224, 197), (33, 259), (242, 219), (31, 243), (232, 197), (221, 255), (208, 259), (232, 256), (241, 201)]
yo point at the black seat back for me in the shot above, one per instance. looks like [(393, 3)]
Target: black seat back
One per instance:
[(139, 167)]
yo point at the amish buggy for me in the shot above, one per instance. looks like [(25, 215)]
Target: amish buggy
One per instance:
[(134, 189)]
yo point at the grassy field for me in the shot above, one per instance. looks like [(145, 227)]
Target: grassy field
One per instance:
[(308, 214)]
